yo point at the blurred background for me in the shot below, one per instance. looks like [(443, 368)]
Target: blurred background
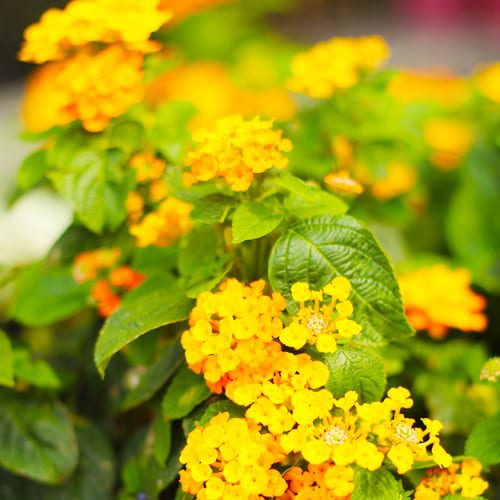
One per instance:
[(456, 34)]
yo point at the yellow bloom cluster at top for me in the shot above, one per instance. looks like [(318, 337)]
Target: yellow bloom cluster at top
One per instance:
[(438, 298), (235, 150), (322, 317), (169, 219), (461, 479), (338, 63), (85, 22)]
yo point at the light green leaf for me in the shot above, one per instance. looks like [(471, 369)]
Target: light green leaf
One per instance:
[(36, 438), (323, 204), (155, 376), (377, 485), (156, 307), (359, 370), (186, 391), (45, 296), (483, 442), (6, 361), (317, 250), (36, 372), (32, 170), (253, 220)]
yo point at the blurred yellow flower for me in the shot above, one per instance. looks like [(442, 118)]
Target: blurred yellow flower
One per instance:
[(338, 63), (183, 8), (449, 140), (400, 178), (487, 80), (438, 298)]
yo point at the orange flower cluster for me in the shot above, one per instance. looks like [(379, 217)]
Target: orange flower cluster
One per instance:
[(168, 218), (185, 8), (110, 281), (462, 479), (438, 298), (235, 150)]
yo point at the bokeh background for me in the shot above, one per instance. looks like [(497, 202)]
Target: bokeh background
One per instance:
[(456, 34)]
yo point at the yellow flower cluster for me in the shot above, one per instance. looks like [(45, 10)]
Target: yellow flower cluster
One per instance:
[(84, 22), (322, 317), (235, 150), (438, 298), (319, 482), (487, 80), (462, 479), (365, 434), (449, 140), (232, 329), (230, 459), (169, 219), (338, 63)]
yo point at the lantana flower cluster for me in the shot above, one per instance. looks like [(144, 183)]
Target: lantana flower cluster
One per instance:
[(338, 63), (438, 298), (461, 479), (237, 340), (109, 279), (235, 150), (155, 218)]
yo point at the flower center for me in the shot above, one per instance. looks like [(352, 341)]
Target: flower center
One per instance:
[(406, 433), (316, 323), (335, 435)]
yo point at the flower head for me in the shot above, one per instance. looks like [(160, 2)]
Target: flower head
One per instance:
[(235, 150), (322, 317), (336, 64), (438, 298), (487, 81)]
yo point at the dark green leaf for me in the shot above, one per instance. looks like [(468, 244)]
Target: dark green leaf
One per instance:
[(186, 391), (162, 431), (253, 220), (318, 249), (36, 438), (483, 442), (156, 307), (353, 369), (155, 376), (44, 296), (36, 372), (6, 361)]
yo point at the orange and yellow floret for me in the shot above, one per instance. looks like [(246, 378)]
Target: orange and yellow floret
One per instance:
[(461, 479), (338, 63), (235, 150), (438, 298), (110, 280)]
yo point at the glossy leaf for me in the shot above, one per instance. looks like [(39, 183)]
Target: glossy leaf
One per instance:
[(377, 485)]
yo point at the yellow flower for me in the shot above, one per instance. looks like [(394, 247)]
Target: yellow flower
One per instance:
[(341, 182), (179, 10), (449, 140), (321, 321), (487, 81), (400, 178), (338, 63), (438, 298), (402, 456), (84, 22), (147, 167), (235, 150), (228, 455)]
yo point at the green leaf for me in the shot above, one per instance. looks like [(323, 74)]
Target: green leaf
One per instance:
[(483, 442), (155, 376), (186, 391), (32, 170), (156, 307), (162, 431), (45, 296), (353, 369), (378, 485), (6, 361), (212, 209), (126, 135), (36, 438), (323, 204), (93, 478), (317, 250), (36, 372), (253, 220)]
